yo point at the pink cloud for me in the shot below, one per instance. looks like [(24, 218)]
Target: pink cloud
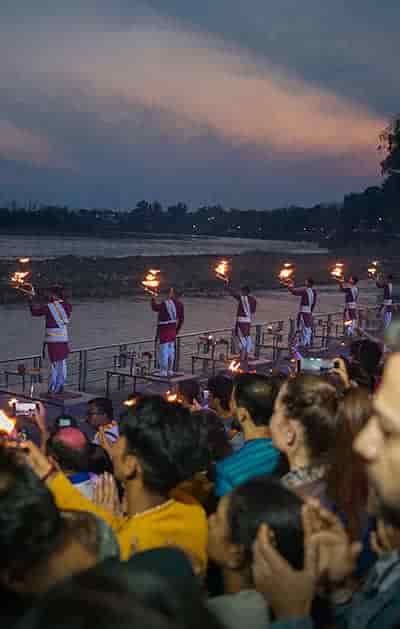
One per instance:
[(23, 145)]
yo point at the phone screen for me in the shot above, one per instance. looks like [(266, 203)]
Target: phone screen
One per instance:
[(25, 408), (315, 364)]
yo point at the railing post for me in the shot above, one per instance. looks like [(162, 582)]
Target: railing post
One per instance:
[(292, 331), (257, 341), (84, 370), (178, 348)]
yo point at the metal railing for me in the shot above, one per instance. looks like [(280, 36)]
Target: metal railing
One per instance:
[(87, 365)]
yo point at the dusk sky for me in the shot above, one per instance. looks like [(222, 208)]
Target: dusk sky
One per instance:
[(249, 103)]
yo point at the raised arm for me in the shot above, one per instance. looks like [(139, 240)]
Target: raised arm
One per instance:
[(298, 292), (155, 305)]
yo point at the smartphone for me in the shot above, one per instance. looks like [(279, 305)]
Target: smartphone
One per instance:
[(318, 365), (25, 408)]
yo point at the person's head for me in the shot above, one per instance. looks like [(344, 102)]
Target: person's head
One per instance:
[(189, 392), (68, 447), (347, 482), (100, 412), (365, 360), (233, 528), (99, 460), (154, 590), (309, 282), (158, 447), (56, 292), (389, 277), (253, 399), (245, 291), (214, 435), (174, 293), (73, 606), (31, 526), (86, 541), (379, 443), (304, 424), (220, 391), (353, 279)]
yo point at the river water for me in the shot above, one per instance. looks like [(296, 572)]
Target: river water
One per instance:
[(53, 247), (122, 320)]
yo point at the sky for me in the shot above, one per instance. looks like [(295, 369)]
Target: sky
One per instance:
[(251, 104)]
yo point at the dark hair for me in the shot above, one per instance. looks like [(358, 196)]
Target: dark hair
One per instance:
[(221, 388), (347, 481), (128, 595), (99, 460), (355, 279), (69, 459), (310, 281), (104, 405), (166, 439), (73, 606), (390, 276), (30, 523), (245, 290), (190, 391), (93, 533), (214, 434), (366, 358), (256, 393), (312, 401), (266, 500)]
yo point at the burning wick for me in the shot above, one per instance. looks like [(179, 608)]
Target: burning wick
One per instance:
[(151, 282), (337, 271), (7, 424), (222, 270), (285, 275)]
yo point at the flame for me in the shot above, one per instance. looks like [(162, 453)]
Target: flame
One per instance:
[(222, 270), (172, 397), (24, 260), (373, 269), (286, 273), (151, 282), (234, 366), (337, 271), (348, 323), (12, 402), (130, 403), (7, 424)]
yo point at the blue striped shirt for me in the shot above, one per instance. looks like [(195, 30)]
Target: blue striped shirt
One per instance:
[(258, 457)]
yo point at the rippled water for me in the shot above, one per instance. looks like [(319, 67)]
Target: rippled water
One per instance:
[(52, 247)]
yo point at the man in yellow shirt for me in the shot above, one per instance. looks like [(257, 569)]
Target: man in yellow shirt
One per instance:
[(159, 448)]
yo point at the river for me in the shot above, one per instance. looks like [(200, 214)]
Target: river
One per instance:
[(121, 320), (41, 247)]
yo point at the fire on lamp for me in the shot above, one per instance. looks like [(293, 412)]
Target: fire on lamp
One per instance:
[(373, 270), (20, 280), (234, 366), (172, 397), (337, 271), (222, 270), (286, 273), (151, 282), (7, 425)]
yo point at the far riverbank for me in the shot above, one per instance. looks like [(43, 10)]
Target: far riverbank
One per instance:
[(111, 278)]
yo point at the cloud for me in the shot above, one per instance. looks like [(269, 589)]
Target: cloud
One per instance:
[(112, 98), (23, 145)]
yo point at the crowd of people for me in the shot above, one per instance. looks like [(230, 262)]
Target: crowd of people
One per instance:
[(276, 502)]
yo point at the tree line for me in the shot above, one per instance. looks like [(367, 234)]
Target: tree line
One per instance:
[(370, 215)]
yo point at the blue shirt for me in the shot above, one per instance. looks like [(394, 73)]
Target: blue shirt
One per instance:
[(257, 457)]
